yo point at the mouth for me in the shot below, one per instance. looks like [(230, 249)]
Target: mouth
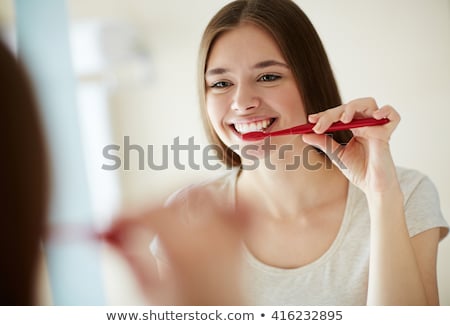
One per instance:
[(242, 128)]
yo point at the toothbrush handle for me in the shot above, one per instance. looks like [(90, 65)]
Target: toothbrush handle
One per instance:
[(308, 127), (357, 123)]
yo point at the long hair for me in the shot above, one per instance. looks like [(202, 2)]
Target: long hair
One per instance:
[(300, 45), (23, 184)]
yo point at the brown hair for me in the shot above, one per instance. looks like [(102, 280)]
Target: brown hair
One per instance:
[(299, 43), (23, 184)]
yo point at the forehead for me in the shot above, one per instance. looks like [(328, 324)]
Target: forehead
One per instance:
[(245, 44)]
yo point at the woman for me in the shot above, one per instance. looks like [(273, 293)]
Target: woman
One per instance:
[(358, 232), (310, 231)]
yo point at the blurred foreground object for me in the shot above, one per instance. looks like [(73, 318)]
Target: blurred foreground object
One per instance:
[(24, 184), (202, 263)]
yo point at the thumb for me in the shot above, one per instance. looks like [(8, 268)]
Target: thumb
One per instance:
[(328, 145), (324, 142)]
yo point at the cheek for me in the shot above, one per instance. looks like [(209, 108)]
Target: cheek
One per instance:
[(292, 105), (213, 118), (216, 111)]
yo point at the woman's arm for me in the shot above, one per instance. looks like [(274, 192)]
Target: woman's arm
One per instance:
[(402, 270), (425, 246)]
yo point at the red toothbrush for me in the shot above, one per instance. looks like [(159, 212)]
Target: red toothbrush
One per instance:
[(307, 128)]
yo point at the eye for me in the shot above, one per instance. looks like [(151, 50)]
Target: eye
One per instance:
[(269, 78), (220, 84)]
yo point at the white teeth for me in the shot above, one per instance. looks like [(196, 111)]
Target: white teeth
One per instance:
[(243, 128)]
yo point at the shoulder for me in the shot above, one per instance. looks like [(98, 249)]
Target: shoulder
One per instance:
[(410, 178), (413, 182), (422, 204), (219, 190)]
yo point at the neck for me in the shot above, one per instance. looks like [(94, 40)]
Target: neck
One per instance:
[(286, 188)]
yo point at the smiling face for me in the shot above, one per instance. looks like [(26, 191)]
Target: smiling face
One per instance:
[(250, 87)]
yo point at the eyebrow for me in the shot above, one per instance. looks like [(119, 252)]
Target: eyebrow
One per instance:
[(259, 65), (269, 63)]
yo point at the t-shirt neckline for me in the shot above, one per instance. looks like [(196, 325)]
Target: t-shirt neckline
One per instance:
[(319, 261)]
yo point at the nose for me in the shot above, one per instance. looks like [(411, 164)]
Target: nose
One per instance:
[(245, 99)]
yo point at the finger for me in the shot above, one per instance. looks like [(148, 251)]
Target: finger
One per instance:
[(113, 235), (328, 145), (382, 132), (326, 118), (388, 112), (360, 108), (150, 219), (364, 107), (312, 118)]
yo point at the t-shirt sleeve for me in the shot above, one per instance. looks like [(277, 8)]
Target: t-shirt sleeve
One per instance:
[(422, 209)]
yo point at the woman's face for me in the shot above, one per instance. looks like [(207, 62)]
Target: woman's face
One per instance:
[(250, 87)]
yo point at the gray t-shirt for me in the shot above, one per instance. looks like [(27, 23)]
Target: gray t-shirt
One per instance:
[(340, 276)]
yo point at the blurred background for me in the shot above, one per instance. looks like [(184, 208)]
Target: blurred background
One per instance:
[(131, 71)]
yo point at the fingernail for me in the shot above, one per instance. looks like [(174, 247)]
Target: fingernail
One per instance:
[(317, 127), (305, 138), (345, 117)]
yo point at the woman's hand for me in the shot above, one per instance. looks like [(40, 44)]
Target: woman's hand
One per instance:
[(366, 160), (201, 263)]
